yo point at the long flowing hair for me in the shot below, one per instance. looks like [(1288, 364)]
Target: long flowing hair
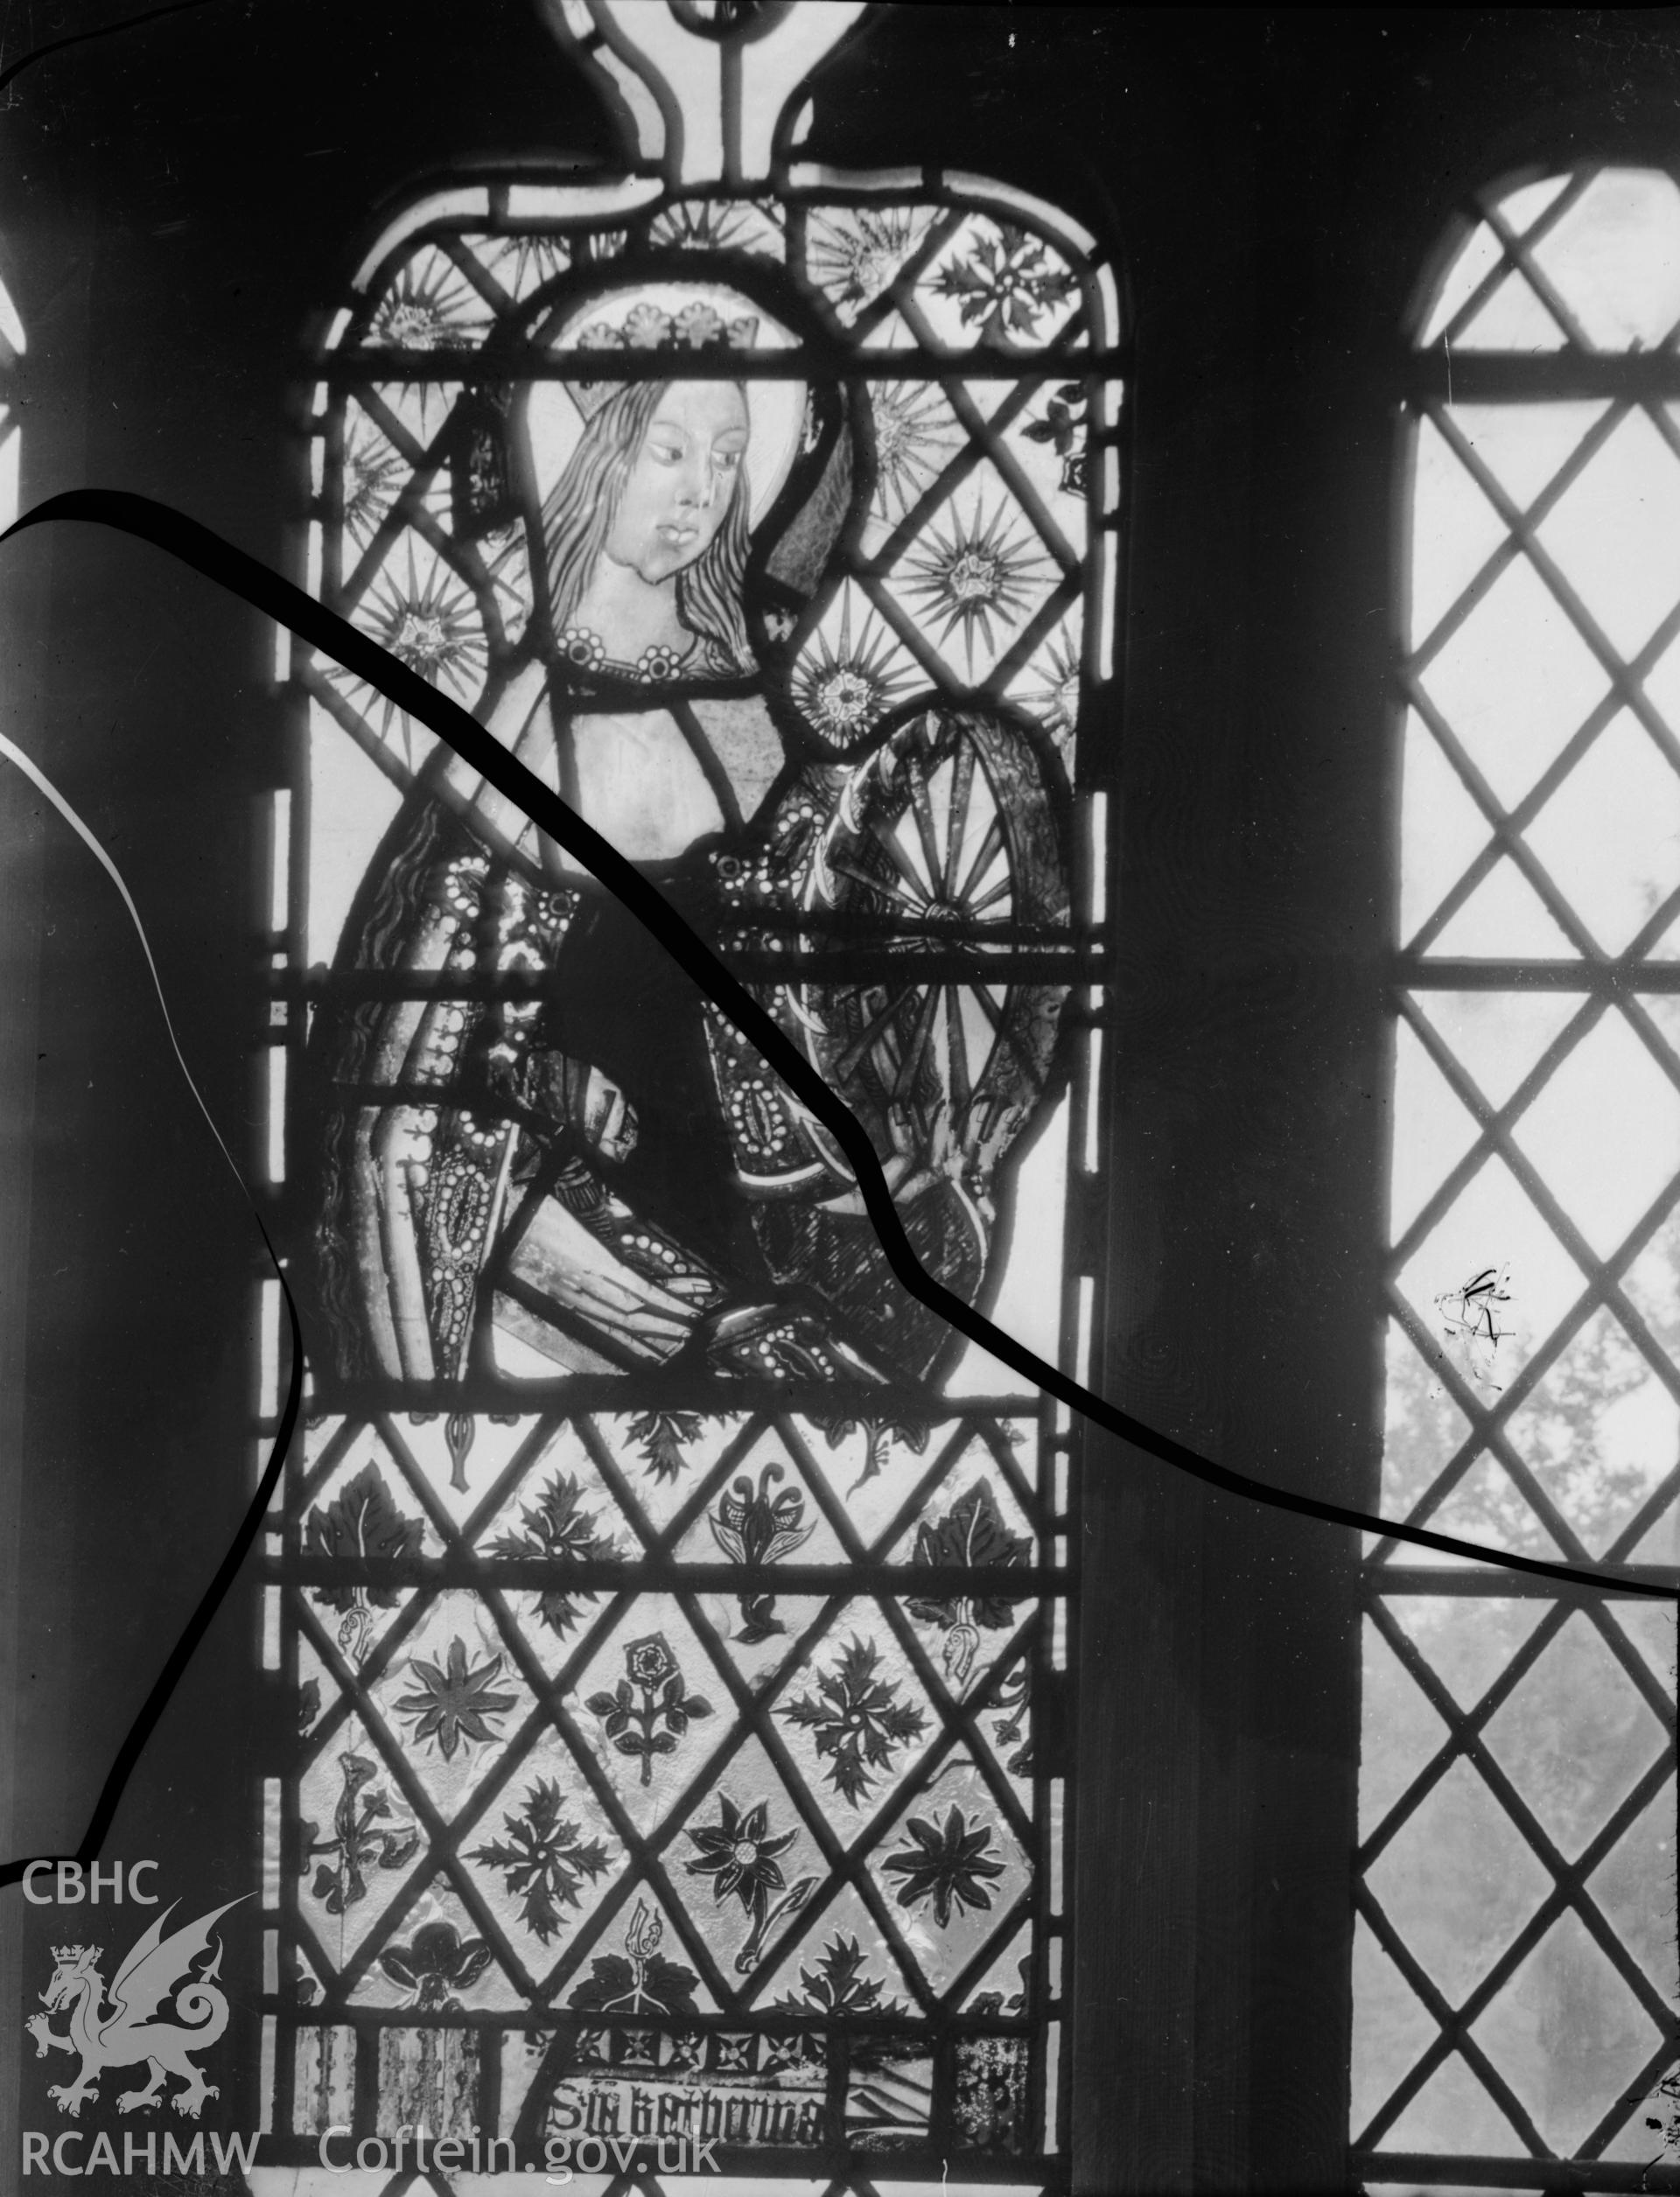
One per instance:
[(578, 516)]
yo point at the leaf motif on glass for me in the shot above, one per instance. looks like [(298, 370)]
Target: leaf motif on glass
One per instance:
[(639, 1980), (557, 1526), (356, 1841), (661, 1435), (946, 1863), (434, 1964), (545, 1860), (753, 1526), (838, 1985), (973, 1532), (453, 1705), (1013, 1696), (913, 1433), (666, 1708), (1063, 426), (738, 1852), (1006, 284), (857, 1720), (361, 1522)]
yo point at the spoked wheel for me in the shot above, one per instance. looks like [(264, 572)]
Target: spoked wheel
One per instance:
[(945, 842)]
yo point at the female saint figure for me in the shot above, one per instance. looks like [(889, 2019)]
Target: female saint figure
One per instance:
[(566, 1161)]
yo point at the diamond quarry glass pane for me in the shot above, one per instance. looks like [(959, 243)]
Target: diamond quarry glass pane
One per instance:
[(737, 1740), (1574, 1735), (1499, 1037), (1525, 447), (1423, 1428), (1568, 2035), (1403, 1733), (1486, 1506), (1391, 2030), (1515, 681), (1453, 2113), (1433, 1130), (1601, 1431), (1513, 319), (1456, 1924), (1614, 533), (1609, 1084), (1490, 1280), (1454, 530), (1621, 1888), (1610, 836), (1662, 681), (1505, 919), (1467, 1641), (1442, 829)]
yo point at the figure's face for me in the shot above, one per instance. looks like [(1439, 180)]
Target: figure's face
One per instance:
[(681, 480)]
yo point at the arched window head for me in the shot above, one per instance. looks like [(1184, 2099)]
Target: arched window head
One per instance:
[(1515, 1962), (1588, 259), (693, 1754)]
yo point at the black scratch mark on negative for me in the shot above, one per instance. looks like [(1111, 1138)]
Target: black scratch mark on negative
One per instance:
[(266, 591)]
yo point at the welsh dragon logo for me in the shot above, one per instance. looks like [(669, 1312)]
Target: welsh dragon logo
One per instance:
[(125, 2032)]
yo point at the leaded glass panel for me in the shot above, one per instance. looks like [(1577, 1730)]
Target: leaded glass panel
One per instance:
[(673, 1615), (1514, 1964)]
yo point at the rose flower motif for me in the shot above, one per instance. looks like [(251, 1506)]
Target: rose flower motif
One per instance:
[(649, 1661)]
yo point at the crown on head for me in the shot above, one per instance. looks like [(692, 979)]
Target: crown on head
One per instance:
[(73, 1952), (648, 327)]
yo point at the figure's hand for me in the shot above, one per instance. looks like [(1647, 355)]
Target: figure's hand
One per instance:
[(570, 1263), (619, 1300)]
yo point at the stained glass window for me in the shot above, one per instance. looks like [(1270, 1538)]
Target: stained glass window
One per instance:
[(671, 1613), (1514, 1963)]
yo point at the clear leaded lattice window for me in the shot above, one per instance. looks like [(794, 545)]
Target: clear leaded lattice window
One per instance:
[(672, 1613), (1515, 1970)]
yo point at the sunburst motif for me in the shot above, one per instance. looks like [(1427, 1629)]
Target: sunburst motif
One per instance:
[(844, 687), (713, 225), (974, 578), (1050, 689), (431, 306), (855, 252), (914, 436), (427, 617), (521, 264), (373, 477)]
